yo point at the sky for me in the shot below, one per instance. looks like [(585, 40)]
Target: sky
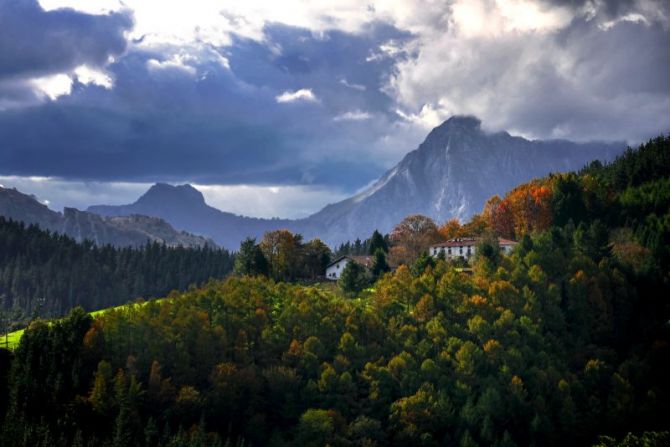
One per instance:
[(278, 108)]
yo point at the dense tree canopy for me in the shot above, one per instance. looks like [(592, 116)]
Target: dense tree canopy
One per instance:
[(47, 274)]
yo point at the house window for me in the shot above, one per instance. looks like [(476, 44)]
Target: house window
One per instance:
[(449, 251)]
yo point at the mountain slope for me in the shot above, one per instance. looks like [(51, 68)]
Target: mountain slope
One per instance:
[(131, 230), (451, 174), (185, 208)]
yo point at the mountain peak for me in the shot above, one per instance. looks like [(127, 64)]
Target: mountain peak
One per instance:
[(465, 122), (161, 192)]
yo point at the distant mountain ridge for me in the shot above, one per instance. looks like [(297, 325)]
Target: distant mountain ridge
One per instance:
[(451, 174), (120, 231), (185, 208)]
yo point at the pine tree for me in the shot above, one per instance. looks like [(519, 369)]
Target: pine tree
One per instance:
[(379, 264)]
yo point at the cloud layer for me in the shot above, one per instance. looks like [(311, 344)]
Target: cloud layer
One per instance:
[(312, 95)]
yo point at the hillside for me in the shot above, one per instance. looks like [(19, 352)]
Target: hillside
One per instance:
[(561, 342), (131, 230), (46, 274), (451, 174)]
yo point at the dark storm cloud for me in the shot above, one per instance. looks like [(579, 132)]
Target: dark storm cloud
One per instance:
[(610, 8), (34, 42), (618, 87), (202, 122)]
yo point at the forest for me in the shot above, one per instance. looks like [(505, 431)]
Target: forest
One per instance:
[(566, 341), (44, 274)]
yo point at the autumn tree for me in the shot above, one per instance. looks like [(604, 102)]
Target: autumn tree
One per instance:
[(451, 229), (282, 249), (411, 237)]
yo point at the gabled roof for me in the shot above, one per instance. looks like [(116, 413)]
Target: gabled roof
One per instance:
[(465, 241), (335, 261), (365, 261), (458, 242), (502, 241)]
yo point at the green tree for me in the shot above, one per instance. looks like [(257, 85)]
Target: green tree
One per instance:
[(377, 242), (250, 259), (315, 256), (379, 264), (354, 278)]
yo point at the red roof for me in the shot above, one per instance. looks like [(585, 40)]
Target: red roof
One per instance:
[(459, 242), (466, 241), (502, 241)]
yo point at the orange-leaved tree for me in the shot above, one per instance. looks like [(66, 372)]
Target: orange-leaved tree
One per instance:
[(411, 237)]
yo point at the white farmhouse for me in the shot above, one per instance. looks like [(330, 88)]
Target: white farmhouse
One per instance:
[(465, 247), (334, 269)]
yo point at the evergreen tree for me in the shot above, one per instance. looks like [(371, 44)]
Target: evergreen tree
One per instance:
[(379, 264), (250, 259), (353, 279), (377, 242)]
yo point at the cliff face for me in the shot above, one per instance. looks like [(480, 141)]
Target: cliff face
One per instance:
[(80, 225)]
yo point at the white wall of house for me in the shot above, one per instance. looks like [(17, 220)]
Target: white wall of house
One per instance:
[(467, 250), (334, 271)]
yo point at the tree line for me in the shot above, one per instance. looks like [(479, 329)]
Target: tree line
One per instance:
[(46, 274)]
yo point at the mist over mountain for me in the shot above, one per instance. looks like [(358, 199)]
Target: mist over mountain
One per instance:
[(120, 231), (451, 174), (184, 207)]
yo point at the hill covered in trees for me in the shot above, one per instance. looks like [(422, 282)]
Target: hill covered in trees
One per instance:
[(47, 274), (564, 341)]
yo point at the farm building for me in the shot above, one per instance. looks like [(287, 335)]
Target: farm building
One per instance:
[(334, 269), (465, 247)]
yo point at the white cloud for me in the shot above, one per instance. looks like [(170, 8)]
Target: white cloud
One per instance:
[(87, 75), (353, 115), (176, 62), (53, 86), (88, 6), (354, 86), (304, 94), (285, 201)]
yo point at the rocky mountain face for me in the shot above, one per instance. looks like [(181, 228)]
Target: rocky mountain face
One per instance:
[(451, 174), (131, 230)]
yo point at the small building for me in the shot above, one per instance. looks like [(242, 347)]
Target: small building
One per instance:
[(465, 247), (334, 269)]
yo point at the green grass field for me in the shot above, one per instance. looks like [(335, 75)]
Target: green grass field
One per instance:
[(11, 341), (13, 338)]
